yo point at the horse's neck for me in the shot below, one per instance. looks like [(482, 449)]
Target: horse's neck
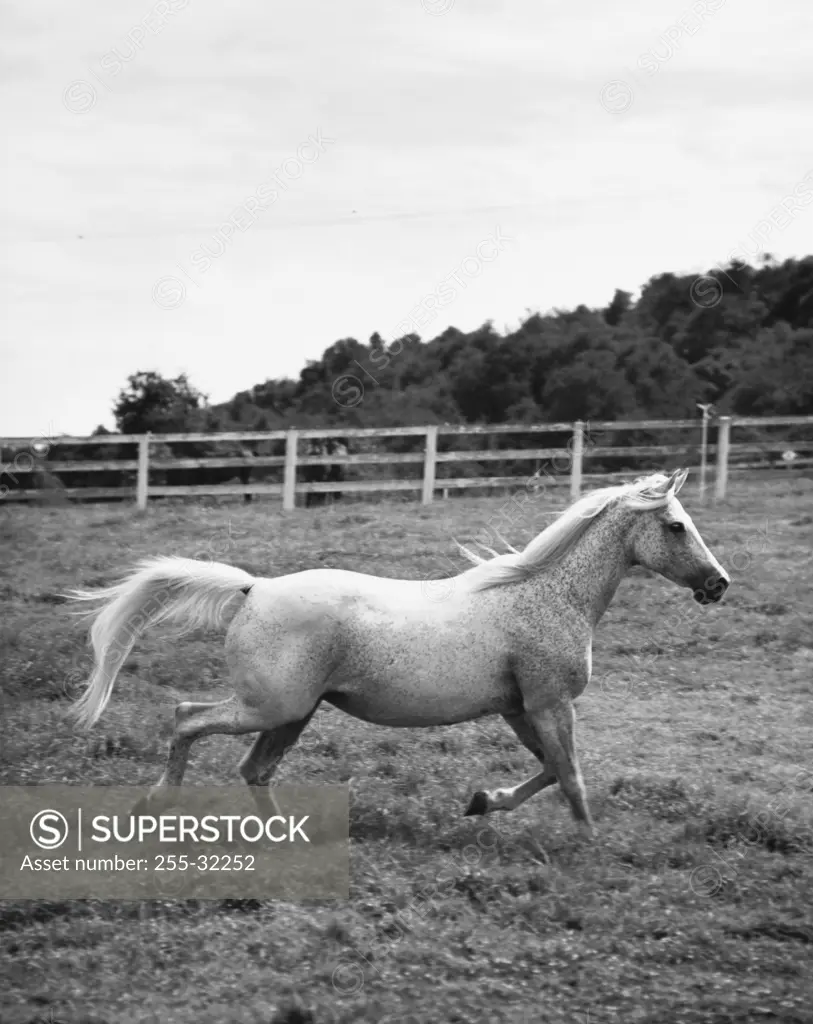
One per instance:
[(588, 576)]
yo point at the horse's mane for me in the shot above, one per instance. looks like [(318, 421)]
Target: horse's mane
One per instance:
[(554, 542)]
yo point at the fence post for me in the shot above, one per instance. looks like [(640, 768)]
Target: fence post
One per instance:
[(429, 465), (289, 482), (142, 481), (704, 447), (576, 464), (723, 440)]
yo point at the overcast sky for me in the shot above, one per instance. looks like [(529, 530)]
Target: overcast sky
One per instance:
[(603, 145)]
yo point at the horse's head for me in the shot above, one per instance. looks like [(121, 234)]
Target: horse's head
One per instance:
[(665, 540)]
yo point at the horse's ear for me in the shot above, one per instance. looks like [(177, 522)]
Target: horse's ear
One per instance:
[(677, 480)]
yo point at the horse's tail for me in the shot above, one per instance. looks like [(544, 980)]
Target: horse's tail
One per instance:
[(182, 590)]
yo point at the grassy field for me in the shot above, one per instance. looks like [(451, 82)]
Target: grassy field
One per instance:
[(695, 903)]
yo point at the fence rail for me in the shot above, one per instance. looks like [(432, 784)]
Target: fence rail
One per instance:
[(31, 458)]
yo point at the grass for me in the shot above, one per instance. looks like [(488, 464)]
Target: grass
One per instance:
[(694, 903)]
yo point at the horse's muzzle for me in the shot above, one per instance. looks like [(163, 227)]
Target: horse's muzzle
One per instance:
[(711, 590)]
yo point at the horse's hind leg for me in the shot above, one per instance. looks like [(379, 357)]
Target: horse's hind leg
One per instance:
[(260, 763), (193, 720), (178, 756), (485, 801)]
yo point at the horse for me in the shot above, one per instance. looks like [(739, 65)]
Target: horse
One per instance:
[(333, 472), (512, 637), (212, 475)]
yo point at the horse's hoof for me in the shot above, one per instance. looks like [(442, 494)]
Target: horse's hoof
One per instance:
[(478, 805), (585, 833), (141, 806)]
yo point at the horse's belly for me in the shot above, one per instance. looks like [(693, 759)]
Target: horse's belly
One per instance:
[(409, 696), (407, 712)]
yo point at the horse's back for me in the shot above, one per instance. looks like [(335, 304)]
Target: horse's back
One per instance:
[(315, 591)]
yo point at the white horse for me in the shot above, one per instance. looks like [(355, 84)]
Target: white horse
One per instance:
[(513, 638)]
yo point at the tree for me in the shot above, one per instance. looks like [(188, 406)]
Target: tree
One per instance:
[(154, 403), (592, 388), (775, 374), (618, 308)]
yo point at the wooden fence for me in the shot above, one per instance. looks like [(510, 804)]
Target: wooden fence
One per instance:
[(566, 464)]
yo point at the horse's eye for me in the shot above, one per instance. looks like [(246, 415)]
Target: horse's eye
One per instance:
[(676, 527)]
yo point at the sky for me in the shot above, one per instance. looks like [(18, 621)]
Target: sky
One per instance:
[(225, 190)]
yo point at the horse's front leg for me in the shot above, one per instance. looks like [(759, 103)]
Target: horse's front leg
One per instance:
[(549, 735), (509, 797), (554, 728)]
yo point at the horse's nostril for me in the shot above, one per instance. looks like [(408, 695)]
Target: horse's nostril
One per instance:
[(716, 587), (712, 589)]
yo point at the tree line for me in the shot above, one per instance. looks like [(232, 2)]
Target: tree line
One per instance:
[(739, 336)]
